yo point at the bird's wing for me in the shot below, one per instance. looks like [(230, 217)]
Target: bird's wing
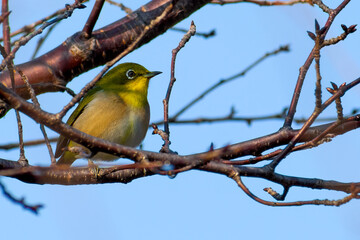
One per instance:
[(63, 141)]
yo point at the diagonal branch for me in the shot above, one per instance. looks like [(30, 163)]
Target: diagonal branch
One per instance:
[(284, 48), (94, 15), (77, 55), (339, 93), (303, 70)]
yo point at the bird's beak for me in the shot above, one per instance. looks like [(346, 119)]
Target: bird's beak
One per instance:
[(151, 74)]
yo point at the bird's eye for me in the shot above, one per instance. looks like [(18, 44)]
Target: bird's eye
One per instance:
[(130, 74)]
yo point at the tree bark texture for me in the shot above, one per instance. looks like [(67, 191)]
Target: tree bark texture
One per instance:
[(77, 54)]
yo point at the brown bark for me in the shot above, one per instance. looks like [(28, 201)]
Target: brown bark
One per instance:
[(77, 54)]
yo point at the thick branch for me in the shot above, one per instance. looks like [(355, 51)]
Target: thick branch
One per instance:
[(71, 176), (78, 55), (87, 176)]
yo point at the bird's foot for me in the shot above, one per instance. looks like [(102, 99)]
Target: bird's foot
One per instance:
[(95, 168)]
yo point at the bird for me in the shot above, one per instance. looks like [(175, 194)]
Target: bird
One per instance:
[(115, 109)]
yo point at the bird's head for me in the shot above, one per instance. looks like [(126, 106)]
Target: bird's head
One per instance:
[(127, 77)]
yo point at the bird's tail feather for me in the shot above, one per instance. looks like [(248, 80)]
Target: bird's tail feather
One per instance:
[(66, 159)]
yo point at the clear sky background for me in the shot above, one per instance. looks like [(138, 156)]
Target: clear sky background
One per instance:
[(199, 205)]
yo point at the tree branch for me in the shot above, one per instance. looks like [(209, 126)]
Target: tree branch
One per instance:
[(303, 70), (77, 55)]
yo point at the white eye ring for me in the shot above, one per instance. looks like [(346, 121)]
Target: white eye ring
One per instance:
[(130, 74)]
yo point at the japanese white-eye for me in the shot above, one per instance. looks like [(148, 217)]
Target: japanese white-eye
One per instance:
[(115, 109)]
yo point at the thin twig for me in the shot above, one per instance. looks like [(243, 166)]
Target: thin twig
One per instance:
[(324, 202), (22, 157), (37, 104), (322, 6), (29, 28), (212, 33), (276, 195), (318, 42), (42, 40), (325, 136), (347, 31), (27, 143), (4, 16), (339, 108), (6, 27), (340, 92), (249, 120), (21, 201), (122, 6), (160, 132), (284, 48), (9, 63), (175, 51), (66, 89), (303, 70)]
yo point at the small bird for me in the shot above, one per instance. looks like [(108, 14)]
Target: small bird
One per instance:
[(115, 109)]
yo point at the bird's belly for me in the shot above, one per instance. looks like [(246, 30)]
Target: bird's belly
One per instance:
[(115, 122), (129, 133)]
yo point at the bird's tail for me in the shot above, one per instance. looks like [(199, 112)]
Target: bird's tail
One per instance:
[(66, 159)]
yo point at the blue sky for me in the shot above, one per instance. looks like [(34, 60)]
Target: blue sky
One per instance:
[(199, 205)]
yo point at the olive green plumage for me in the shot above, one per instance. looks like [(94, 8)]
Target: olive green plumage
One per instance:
[(115, 109)]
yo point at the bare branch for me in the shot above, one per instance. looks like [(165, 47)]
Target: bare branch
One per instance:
[(27, 143), (57, 68), (263, 3), (284, 48), (5, 24), (184, 40), (325, 202), (120, 5), (341, 91), (94, 15), (23, 40), (212, 33), (303, 70), (42, 40), (33, 208)]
